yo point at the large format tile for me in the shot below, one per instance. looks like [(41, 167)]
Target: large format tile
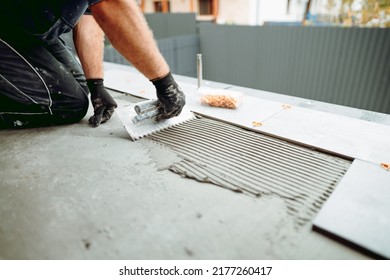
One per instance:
[(338, 134), (358, 210)]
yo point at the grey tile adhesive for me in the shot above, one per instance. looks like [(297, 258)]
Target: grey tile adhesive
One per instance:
[(245, 161)]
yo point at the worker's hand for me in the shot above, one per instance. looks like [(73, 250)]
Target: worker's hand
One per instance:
[(102, 102), (171, 97)]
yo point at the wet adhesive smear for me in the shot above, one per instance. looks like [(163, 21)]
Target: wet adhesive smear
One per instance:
[(252, 163)]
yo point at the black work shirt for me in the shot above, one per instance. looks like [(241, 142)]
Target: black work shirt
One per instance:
[(44, 19)]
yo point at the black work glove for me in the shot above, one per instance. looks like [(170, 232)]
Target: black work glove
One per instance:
[(102, 102), (171, 97)]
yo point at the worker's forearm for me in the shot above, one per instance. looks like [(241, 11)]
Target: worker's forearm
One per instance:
[(88, 38), (127, 30)]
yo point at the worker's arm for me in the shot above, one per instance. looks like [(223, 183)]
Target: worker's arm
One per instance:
[(88, 38), (125, 26)]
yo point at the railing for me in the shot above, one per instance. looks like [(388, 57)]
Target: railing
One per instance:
[(346, 66)]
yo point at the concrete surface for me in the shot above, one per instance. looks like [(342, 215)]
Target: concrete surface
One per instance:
[(76, 192)]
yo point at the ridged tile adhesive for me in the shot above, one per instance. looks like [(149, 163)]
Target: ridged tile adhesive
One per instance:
[(245, 161)]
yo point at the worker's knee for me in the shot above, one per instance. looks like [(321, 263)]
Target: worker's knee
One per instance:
[(70, 110), (83, 107)]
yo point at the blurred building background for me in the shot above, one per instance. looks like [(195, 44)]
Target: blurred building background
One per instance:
[(258, 12)]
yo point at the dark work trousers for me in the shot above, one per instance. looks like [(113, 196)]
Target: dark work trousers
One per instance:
[(41, 84)]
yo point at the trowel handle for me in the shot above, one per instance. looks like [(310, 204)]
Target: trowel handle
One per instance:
[(146, 106), (146, 115)]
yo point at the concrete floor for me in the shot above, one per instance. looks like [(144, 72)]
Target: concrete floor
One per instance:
[(76, 192)]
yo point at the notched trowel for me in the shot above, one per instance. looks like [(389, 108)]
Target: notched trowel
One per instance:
[(140, 119)]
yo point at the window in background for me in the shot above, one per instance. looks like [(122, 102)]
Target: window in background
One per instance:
[(205, 7), (160, 8)]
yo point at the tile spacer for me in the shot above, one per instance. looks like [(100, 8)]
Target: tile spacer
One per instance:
[(257, 124), (386, 166)]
